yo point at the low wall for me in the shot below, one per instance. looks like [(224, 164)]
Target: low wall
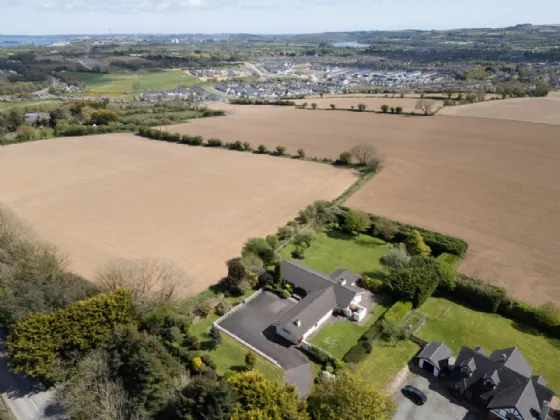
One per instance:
[(236, 338)]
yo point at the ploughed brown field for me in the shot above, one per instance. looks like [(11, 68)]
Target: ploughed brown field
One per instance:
[(373, 104), (117, 195), (492, 182), (537, 110)]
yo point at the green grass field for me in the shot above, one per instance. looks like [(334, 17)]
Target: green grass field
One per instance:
[(127, 82), (386, 360), (457, 325), (360, 254), (338, 338)]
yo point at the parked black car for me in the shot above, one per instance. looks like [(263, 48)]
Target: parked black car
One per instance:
[(414, 394)]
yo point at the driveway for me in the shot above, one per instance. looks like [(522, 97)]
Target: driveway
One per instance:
[(252, 322), (441, 404), (26, 398)]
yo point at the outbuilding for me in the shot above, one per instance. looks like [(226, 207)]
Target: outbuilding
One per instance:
[(434, 357)]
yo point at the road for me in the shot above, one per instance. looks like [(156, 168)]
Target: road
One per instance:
[(255, 69), (27, 398)]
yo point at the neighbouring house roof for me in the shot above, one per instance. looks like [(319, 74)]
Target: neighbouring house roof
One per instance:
[(436, 353), (323, 293), (514, 387), (32, 116)]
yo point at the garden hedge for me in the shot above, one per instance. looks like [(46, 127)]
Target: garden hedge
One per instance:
[(541, 319), (479, 293)]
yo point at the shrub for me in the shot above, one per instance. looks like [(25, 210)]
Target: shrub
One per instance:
[(204, 308), (25, 133), (265, 279), (373, 285), (298, 254), (392, 331), (399, 109), (247, 146), (214, 143), (309, 213), (301, 153), (261, 248), (196, 141), (250, 360), (362, 107), (273, 241), (384, 108), (236, 145), (262, 149), (345, 158), (196, 364), (303, 240), (385, 228), (392, 110), (417, 282), (357, 353), (104, 117), (415, 245), (280, 150), (333, 106), (368, 345), (223, 307), (449, 275), (397, 257), (285, 232), (286, 294), (314, 105), (278, 273), (356, 221)]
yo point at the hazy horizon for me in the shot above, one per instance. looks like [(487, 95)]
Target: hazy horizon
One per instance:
[(264, 17)]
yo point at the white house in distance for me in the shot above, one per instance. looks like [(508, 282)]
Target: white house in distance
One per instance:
[(323, 295)]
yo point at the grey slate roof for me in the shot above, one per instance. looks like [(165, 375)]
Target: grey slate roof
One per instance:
[(436, 353), (322, 295), (515, 388)]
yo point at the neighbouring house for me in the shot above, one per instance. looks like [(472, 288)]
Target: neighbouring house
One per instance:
[(33, 116), (502, 382), (321, 296)]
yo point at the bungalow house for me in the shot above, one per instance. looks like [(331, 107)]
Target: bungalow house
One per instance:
[(502, 382), (322, 295)]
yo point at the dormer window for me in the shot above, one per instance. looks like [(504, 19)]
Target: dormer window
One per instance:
[(465, 370), (489, 383)]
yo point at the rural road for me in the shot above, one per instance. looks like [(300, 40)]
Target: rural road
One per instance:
[(27, 398)]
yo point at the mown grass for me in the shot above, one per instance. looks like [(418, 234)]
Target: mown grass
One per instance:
[(361, 254), (457, 325), (386, 361), (339, 338), (5, 412), (126, 82)]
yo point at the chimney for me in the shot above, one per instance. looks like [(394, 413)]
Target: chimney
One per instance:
[(544, 410), (297, 322)]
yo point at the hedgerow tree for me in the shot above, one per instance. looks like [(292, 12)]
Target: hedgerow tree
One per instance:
[(281, 150), (203, 398), (104, 117), (363, 153), (149, 373), (45, 346), (314, 105), (345, 158), (362, 107), (273, 241), (425, 106), (301, 153), (415, 244), (356, 221), (384, 108), (259, 398), (349, 396), (417, 282), (261, 248), (385, 228)]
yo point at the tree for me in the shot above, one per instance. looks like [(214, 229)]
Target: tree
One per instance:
[(45, 346), (392, 332), (397, 257), (280, 150), (150, 282), (307, 214), (384, 108), (278, 273), (203, 398), (363, 153), (449, 275), (150, 374), (362, 107), (399, 109), (345, 158), (273, 241), (265, 279), (93, 393), (415, 244), (541, 89), (262, 149), (259, 398), (104, 117), (223, 307), (253, 263), (349, 396), (301, 153), (216, 336), (250, 360), (392, 110), (304, 105), (356, 221), (314, 105), (385, 228), (333, 106), (261, 248), (426, 106), (86, 113), (321, 94)]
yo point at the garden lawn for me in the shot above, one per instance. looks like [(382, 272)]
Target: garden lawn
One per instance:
[(339, 338), (386, 361), (360, 254), (457, 325), (134, 82)]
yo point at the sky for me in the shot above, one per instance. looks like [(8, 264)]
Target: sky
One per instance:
[(45, 17)]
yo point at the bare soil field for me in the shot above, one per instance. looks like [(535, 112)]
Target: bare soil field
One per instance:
[(492, 182), (373, 104), (537, 110), (103, 197)]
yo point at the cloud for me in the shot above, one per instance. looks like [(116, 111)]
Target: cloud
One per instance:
[(8, 3)]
